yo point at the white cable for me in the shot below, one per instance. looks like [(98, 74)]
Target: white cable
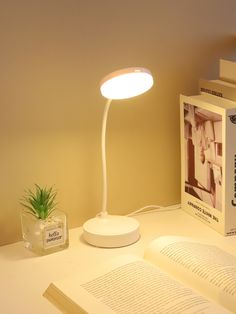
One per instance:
[(154, 208), (143, 208)]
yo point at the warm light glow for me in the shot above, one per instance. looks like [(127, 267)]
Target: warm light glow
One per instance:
[(126, 83)]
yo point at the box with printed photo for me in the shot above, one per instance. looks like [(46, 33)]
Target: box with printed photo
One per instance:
[(208, 160)]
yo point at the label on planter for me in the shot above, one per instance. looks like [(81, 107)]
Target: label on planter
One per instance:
[(53, 236)]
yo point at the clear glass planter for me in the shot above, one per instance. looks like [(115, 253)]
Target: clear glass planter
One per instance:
[(45, 236)]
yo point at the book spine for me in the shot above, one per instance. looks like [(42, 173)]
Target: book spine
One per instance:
[(230, 172), (217, 89), (184, 164)]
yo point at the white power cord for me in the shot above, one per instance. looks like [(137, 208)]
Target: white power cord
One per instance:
[(154, 208)]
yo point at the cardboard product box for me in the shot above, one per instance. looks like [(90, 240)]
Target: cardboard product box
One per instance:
[(208, 160), (218, 88), (227, 71)]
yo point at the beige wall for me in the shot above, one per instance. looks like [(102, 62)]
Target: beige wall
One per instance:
[(53, 55)]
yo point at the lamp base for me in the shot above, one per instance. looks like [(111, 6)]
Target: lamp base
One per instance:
[(111, 231)]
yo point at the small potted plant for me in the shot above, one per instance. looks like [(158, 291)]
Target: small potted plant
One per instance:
[(44, 228)]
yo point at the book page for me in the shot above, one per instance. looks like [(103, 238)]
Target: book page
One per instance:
[(204, 267), (132, 285)]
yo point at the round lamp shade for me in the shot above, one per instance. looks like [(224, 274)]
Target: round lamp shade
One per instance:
[(126, 83)]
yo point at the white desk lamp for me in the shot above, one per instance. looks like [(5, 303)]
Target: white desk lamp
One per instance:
[(112, 230)]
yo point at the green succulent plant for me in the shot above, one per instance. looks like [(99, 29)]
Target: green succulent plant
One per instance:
[(41, 202)]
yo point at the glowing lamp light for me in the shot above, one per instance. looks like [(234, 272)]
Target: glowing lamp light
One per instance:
[(126, 83)]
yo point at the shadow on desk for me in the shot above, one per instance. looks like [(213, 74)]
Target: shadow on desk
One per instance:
[(16, 251)]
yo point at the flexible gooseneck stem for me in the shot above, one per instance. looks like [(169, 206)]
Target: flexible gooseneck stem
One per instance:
[(103, 212)]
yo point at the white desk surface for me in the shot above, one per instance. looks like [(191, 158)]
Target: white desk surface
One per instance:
[(24, 276)]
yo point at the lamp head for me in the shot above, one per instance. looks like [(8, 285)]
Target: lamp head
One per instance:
[(126, 83)]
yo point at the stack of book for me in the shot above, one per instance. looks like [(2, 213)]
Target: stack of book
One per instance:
[(208, 151)]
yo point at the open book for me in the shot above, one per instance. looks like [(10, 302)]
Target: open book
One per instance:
[(177, 275)]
